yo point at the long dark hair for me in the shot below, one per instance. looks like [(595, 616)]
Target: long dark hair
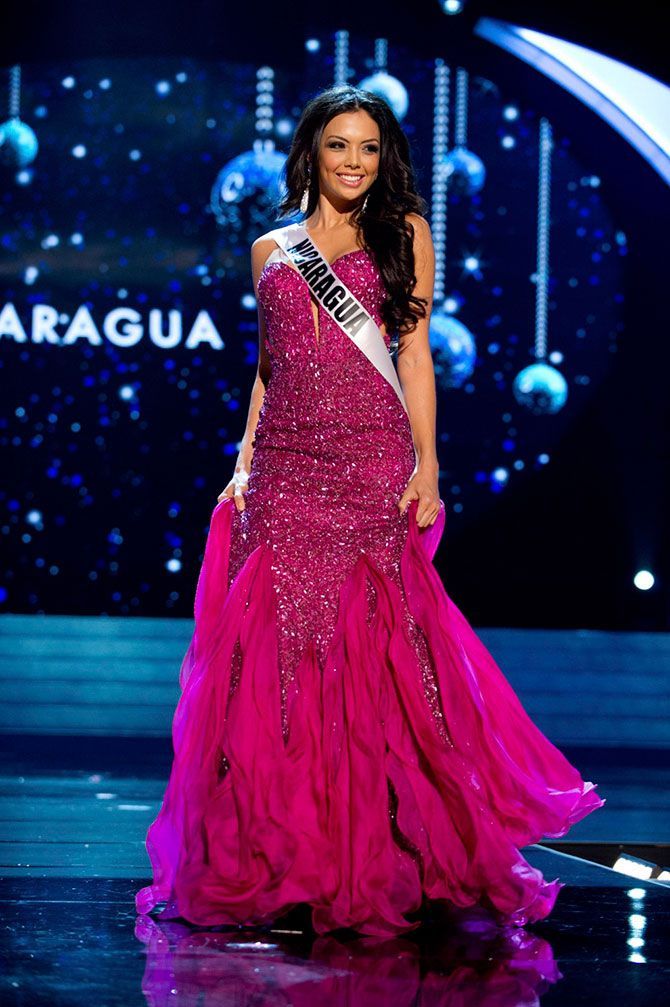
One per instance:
[(385, 231)]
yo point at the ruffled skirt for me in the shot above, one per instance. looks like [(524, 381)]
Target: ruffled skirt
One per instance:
[(361, 810)]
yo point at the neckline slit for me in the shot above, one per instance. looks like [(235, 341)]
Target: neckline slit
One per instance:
[(285, 261)]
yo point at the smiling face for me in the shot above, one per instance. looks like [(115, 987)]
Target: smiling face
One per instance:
[(349, 156)]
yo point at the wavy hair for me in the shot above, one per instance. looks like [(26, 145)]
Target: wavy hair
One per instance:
[(385, 231)]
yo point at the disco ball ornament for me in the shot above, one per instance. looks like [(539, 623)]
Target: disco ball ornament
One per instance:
[(541, 389), (390, 89), (18, 143), (464, 171), (249, 186), (454, 349)]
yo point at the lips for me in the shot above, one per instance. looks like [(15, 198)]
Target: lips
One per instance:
[(352, 180)]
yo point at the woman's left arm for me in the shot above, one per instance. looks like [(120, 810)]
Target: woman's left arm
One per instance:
[(417, 379)]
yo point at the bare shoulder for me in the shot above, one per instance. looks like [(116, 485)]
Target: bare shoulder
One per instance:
[(261, 248), (422, 242), (420, 229)]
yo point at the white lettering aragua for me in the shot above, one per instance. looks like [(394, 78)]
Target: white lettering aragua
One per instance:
[(122, 327)]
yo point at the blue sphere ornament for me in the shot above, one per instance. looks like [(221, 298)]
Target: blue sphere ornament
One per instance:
[(454, 349), (250, 184), (390, 89), (464, 171), (18, 143), (541, 389)]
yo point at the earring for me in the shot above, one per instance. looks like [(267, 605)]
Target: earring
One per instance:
[(363, 205), (305, 200), (305, 196)]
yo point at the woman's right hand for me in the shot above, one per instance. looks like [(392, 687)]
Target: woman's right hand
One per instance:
[(236, 488)]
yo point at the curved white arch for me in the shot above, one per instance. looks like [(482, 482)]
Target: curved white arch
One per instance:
[(632, 102)]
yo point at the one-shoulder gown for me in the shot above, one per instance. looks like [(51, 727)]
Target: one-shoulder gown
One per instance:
[(343, 737)]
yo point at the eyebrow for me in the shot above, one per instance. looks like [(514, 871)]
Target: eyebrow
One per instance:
[(338, 137)]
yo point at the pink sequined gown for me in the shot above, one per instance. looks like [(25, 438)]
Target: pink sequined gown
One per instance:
[(343, 737)]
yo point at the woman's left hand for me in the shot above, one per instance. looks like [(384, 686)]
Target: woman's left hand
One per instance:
[(423, 486)]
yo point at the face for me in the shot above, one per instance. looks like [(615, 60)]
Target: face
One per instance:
[(349, 156)]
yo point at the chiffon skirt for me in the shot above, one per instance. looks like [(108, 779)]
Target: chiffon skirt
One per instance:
[(362, 810)]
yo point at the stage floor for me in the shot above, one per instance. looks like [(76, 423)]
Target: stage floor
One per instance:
[(73, 815)]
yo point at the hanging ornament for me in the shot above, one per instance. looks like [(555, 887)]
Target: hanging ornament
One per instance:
[(438, 209), (380, 82), (341, 69), (453, 347), (465, 171), (250, 185), (540, 387), (18, 142), (451, 342)]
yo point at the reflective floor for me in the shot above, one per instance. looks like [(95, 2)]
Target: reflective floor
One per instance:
[(73, 815), (77, 942)]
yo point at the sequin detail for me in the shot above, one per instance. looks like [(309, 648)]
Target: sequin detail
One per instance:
[(333, 452), (318, 609)]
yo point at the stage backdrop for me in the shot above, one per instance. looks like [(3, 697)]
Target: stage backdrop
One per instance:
[(132, 192)]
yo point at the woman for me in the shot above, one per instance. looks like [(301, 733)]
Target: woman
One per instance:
[(343, 738)]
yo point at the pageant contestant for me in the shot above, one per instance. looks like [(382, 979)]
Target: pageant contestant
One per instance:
[(344, 739)]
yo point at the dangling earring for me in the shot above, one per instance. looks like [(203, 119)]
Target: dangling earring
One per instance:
[(305, 196), (365, 201)]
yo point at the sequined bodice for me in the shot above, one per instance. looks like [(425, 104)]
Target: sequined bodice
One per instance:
[(321, 379), (285, 296), (333, 451)]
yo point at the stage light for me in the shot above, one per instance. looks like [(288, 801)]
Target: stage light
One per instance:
[(643, 580), (633, 866), (510, 113), (253, 945), (312, 45), (452, 6), (471, 263)]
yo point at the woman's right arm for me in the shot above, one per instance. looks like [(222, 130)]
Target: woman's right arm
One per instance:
[(260, 250)]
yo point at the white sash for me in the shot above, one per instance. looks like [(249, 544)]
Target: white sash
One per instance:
[(336, 298)]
